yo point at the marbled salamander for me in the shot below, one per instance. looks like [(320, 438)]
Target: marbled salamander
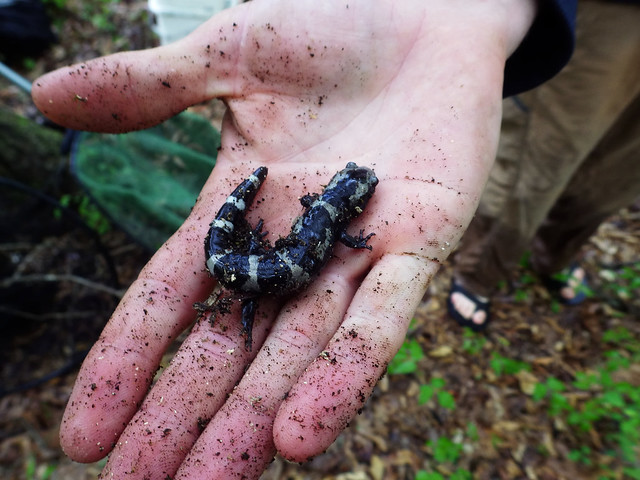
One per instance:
[(244, 262)]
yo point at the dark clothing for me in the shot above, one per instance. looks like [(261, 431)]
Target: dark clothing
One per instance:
[(546, 48)]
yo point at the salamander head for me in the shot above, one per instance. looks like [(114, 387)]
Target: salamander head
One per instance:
[(354, 185)]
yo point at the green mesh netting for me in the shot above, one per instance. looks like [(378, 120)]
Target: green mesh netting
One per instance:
[(148, 181)]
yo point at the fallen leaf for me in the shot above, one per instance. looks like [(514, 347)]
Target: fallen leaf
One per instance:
[(377, 468), (507, 426), (441, 351), (527, 381)]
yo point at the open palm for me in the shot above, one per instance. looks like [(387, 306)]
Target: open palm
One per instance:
[(309, 87)]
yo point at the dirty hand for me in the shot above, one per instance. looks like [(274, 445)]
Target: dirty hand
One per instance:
[(411, 89)]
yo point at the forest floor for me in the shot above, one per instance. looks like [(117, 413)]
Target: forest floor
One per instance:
[(548, 392)]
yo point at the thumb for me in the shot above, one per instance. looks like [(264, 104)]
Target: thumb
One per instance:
[(136, 90)]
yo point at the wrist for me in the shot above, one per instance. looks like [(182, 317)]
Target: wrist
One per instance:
[(518, 16)]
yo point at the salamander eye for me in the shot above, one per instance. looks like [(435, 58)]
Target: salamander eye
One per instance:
[(358, 173), (364, 175)]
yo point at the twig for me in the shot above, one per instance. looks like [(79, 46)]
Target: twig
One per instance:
[(46, 316), (54, 277)]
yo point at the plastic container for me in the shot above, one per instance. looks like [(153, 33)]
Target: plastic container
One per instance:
[(174, 19)]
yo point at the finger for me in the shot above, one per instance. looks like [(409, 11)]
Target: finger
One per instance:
[(336, 385), (157, 307), (119, 368), (135, 90), (188, 393), (239, 440)]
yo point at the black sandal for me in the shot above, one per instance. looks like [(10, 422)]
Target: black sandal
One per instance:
[(480, 305), (556, 282)]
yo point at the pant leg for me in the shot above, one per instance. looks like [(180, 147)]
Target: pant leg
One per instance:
[(608, 181), (564, 121), (481, 261)]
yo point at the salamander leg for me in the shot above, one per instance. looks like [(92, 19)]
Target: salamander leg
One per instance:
[(308, 199), (249, 307), (257, 243), (356, 242), (213, 304)]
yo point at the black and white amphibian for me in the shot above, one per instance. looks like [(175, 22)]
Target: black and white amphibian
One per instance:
[(244, 262)]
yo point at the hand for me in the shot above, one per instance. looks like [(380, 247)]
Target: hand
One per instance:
[(411, 89)]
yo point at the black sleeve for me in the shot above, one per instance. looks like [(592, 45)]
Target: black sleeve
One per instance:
[(546, 48)]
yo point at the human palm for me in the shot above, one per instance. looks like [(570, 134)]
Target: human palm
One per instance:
[(309, 87)]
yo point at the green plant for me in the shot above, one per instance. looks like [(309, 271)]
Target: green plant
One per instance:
[(553, 389), (508, 366), (28, 63), (525, 260), (625, 282), (581, 455), (521, 294), (99, 13), (33, 471), (565, 277), (424, 475), (472, 432), (56, 3), (87, 210), (407, 358), (436, 388), (445, 450), (611, 408), (622, 338), (472, 342), (459, 474), (525, 280)]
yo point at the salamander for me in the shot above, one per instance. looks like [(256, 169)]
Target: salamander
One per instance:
[(244, 262)]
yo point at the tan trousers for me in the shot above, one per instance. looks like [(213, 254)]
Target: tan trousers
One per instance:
[(569, 155)]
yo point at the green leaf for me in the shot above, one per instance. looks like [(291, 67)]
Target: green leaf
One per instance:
[(505, 365), (581, 455), (539, 392), (613, 399), (406, 360), (585, 381), (446, 450), (558, 403), (461, 474), (555, 385), (438, 382), (426, 393), (403, 368), (632, 473), (424, 475), (521, 295), (616, 335), (446, 400), (472, 431)]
